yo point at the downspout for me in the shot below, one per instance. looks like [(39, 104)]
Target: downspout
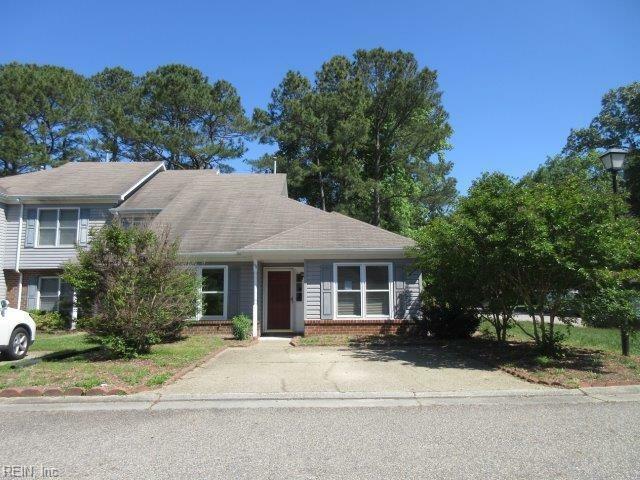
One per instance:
[(255, 300), (18, 251)]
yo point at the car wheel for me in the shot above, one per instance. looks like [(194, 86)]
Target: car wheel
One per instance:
[(18, 344)]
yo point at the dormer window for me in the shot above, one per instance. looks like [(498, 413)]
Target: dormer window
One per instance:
[(58, 227)]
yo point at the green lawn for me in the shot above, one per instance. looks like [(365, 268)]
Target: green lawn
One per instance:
[(607, 339), (55, 342), (93, 368)]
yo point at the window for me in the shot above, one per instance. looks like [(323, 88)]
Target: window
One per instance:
[(299, 286), (363, 290), (54, 295), (57, 227), (377, 290), (214, 293), (349, 296)]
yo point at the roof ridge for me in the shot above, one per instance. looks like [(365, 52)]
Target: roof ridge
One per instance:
[(288, 230), (368, 224)]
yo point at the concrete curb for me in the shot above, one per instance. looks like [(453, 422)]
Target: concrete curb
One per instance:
[(158, 401)]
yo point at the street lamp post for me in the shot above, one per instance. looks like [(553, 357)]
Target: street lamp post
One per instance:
[(613, 161)]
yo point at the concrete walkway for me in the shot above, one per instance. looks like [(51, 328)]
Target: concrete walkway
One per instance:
[(274, 366)]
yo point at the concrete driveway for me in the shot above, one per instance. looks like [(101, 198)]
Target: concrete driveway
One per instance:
[(273, 366)]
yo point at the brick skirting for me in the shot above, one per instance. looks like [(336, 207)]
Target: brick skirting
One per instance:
[(355, 327), (217, 327)]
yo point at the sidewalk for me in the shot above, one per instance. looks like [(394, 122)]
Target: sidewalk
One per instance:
[(160, 401)]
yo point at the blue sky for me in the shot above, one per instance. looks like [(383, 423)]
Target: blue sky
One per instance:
[(516, 75)]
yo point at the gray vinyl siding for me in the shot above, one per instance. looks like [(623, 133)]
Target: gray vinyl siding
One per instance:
[(240, 295), (43, 257), (240, 288), (312, 278), (319, 288), (3, 235)]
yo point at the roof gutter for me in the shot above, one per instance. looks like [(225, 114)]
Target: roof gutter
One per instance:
[(325, 250), (118, 210), (16, 199)]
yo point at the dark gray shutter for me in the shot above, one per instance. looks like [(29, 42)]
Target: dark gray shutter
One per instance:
[(326, 288), (400, 294), (32, 293), (30, 227), (233, 292), (83, 237)]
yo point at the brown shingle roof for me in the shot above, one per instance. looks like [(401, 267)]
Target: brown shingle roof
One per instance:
[(213, 213), (166, 186), (332, 232), (79, 179), (229, 217)]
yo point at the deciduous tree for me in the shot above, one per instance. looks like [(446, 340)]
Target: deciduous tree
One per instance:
[(617, 125)]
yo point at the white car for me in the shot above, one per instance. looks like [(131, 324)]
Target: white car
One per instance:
[(17, 331)]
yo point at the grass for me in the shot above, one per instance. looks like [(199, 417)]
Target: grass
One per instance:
[(56, 342), (606, 339), (93, 368)]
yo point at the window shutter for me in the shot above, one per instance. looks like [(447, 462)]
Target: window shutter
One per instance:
[(83, 237), (30, 230), (233, 292), (399, 294), (326, 287), (32, 293)]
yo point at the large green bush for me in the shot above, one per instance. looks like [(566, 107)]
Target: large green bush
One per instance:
[(132, 289)]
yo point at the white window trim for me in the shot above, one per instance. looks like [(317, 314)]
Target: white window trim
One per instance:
[(225, 293), (363, 298), (40, 290), (57, 245)]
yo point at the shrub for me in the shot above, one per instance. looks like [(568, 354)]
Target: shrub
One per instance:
[(132, 289), (241, 327), (48, 321), (449, 322)]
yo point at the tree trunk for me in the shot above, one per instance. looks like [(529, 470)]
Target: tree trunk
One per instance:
[(376, 188), (323, 201)]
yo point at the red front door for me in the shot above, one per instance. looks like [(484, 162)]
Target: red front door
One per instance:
[(279, 300)]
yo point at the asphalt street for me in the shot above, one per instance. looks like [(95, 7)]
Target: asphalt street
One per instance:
[(545, 440)]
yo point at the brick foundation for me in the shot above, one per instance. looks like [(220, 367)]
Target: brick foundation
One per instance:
[(355, 327), (213, 327), (12, 279)]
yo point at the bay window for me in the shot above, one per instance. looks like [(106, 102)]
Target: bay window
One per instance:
[(363, 290), (214, 293)]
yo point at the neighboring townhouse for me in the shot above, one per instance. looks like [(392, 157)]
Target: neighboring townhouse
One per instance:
[(45, 214), (288, 266)]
